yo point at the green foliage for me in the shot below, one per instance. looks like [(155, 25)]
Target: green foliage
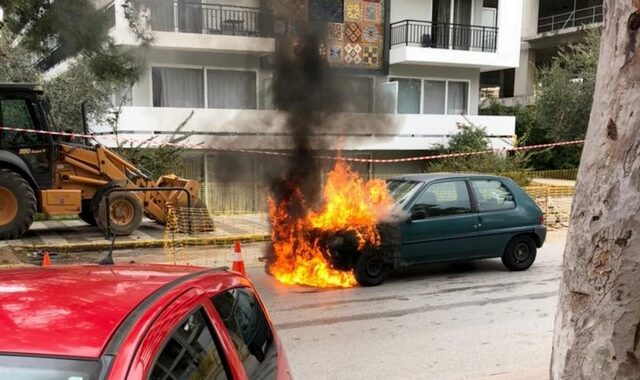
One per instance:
[(470, 139), (566, 87), (474, 139), (44, 25), (562, 107), (157, 159), (16, 63), (34, 29), (77, 84), (526, 119)]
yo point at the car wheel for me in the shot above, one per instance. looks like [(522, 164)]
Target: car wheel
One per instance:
[(520, 253), (370, 268)]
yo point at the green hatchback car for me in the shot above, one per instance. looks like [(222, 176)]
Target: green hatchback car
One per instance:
[(454, 217)]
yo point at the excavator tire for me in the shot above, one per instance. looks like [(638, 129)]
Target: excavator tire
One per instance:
[(17, 205), (126, 210), (86, 214)]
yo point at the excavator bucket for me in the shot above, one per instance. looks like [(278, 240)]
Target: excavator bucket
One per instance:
[(197, 216)]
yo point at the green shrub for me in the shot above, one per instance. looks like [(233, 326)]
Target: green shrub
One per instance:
[(474, 139)]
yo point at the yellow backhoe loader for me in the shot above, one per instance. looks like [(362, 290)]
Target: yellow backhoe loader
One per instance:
[(57, 175)]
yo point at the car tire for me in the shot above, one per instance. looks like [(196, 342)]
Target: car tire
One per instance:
[(370, 268), (520, 253)]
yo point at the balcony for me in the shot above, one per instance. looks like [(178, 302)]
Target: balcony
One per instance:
[(575, 18), (206, 18), (429, 34), (202, 27)]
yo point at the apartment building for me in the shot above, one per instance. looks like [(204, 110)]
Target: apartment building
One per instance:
[(412, 65), (547, 26)]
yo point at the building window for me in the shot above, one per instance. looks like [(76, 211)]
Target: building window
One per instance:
[(187, 88), (177, 87), (231, 89), (435, 97), (457, 98), (357, 93), (408, 95)]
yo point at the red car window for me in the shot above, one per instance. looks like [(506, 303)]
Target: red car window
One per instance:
[(191, 352), (250, 332)]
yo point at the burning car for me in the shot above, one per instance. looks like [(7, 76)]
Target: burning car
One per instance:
[(365, 229)]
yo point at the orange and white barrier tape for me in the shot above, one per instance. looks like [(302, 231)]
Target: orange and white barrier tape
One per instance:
[(287, 154)]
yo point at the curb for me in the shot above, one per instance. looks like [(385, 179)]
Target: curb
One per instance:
[(131, 244)]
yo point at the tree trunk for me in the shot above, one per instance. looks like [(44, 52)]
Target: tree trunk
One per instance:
[(597, 328)]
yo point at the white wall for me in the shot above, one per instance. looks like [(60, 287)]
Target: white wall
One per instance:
[(410, 10), (251, 129)]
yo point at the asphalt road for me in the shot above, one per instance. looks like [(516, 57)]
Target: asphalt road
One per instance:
[(462, 321)]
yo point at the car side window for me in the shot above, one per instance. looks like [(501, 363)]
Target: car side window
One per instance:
[(249, 329), (444, 198), (190, 353), (493, 195)]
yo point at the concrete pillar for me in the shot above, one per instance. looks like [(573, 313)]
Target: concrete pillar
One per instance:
[(524, 80), (530, 11)]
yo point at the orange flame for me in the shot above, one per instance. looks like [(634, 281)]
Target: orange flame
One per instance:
[(348, 204)]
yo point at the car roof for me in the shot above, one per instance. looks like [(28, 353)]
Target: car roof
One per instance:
[(428, 177), (73, 311), (17, 86)]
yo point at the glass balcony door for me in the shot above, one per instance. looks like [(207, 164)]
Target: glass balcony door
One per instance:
[(451, 23)]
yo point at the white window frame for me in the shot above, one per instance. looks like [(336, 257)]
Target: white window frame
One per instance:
[(206, 84), (446, 91)]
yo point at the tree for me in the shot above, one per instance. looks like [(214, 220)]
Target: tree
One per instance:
[(565, 92), (472, 138), (156, 158), (97, 68), (562, 105), (597, 328)]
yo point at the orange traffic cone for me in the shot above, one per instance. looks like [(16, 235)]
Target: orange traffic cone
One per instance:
[(46, 260), (238, 262)]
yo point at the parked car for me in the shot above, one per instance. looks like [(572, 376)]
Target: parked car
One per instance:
[(452, 217), (135, 322)]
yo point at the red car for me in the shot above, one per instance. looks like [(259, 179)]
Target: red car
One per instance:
[(135, 322)]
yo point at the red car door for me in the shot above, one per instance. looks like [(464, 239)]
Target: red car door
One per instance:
[(184, 343)]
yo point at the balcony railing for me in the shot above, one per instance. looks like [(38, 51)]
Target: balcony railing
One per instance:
[(577, 17), (444, 35), (206, 18)]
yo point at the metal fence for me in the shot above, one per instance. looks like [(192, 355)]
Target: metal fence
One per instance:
[(207, 18), (577, 17), (430, 34)]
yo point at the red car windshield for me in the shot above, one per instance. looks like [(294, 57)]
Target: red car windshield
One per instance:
[(43, 368)]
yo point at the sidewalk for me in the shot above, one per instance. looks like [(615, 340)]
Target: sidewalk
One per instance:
[(75, 235)]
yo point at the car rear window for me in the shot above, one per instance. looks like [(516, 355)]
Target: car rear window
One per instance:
[(43, 368), (492, 195), (249, 329)]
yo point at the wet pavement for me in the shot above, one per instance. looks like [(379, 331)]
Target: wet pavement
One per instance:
[(462, 321)]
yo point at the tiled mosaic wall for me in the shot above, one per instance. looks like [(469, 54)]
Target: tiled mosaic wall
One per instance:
[(355, 28)]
